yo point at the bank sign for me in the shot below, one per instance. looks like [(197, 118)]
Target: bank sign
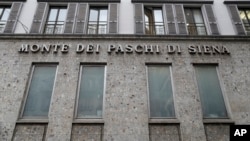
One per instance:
[(121, 49)]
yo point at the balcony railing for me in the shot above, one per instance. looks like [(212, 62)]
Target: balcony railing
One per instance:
[(247, 28), (154, 28), (196, 29), (97, 27)]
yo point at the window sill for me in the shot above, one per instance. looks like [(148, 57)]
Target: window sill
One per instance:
[(216, 121), (164, 121), (89, 121), (32, 121)]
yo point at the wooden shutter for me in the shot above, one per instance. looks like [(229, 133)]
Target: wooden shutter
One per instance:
[(113, 18), (13, 17), (236, 19), (139, 24), (170, 19), (38, 18), (180, 19), (70, 18), (211, 19), (81, 18)]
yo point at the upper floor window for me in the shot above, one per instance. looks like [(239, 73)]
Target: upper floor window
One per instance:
[(154, 24), (4, 14), (194, 21), (90, 92), (213, 105), (40, 89), (160, 92), (245, 17), (97, 23), (55, 20)]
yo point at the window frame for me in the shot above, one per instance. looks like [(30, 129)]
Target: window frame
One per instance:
[(47, 15), (161, 119), (152, 24), (31, 74), (89, 119), (222, 89), (247, 32), (197, 7), (98, 8), (4, 7)]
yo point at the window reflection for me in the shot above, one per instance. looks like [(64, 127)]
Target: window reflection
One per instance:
[(153, 21), (195, 22), (245, 17), (98, 20), (55, 21), (4, 14)]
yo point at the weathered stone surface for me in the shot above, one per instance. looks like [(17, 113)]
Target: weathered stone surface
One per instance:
[(217, 132), (164, 133), (87, 132)]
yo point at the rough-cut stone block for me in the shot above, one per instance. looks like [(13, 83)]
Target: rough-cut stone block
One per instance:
[(81, 132), (29, 132), (215, 132), (164, 133)]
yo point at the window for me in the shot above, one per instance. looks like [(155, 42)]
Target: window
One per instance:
[(212, 101), (40, 90), (90, 92), (4, 14), (154, 24), (160, 92), (55, 20), (194, 21), (245, 17), (97, 20)]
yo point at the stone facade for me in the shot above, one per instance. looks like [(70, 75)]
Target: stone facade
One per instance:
[(126, 112)]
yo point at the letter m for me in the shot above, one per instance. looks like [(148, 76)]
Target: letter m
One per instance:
[(24, 48)]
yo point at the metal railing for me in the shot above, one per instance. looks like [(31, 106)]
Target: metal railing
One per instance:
[(97, 27), (2, 25), (196, 29), (154, 28), (247, 28), (54, 27)]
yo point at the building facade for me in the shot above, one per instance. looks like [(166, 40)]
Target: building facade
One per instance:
[(123, 70)]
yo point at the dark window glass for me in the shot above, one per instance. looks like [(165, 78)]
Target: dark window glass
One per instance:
[(160, 92), (90, 97), (55, 20), (98, 20), (40, 91), (154, 24), (4, 14), (195, 22), (245, 17), (212, 101)]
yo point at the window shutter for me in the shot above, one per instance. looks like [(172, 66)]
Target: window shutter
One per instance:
[(81, 18), (139, 18), (211, 19), (170, 19), (70, 18), (13, 17), (180, 18), (113, 18), (37, 21), (236, 19)]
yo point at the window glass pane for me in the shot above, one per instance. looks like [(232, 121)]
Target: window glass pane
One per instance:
[(62, 15), (158, 16), (160, 92), (103, 15), (52, 14), (6, 14), (213, 105), (1, 10), (93, 16), (91, 92), (40, 91)]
